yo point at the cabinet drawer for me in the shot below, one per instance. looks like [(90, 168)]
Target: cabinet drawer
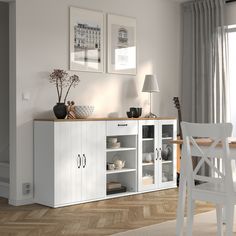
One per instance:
[(122, 127)]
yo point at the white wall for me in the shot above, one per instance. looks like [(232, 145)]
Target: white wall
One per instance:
[(230, 16), (4, 81), (42, 29)]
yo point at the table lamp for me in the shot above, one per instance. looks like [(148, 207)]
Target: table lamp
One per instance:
[(150, 86)]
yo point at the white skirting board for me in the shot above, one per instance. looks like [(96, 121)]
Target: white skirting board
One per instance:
[(21, 202)]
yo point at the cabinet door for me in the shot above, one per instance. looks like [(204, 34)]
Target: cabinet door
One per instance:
[(76, 164), (148, 155), (167, 161), (94, 160), (67, 176)]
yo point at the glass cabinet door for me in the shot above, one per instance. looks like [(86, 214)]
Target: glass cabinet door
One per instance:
[(148, 155), (167, 149)]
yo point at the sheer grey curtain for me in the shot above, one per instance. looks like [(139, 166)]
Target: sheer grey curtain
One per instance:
[(204, 81)]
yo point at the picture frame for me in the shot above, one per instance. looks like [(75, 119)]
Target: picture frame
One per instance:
[(121, 45), (86, 40)]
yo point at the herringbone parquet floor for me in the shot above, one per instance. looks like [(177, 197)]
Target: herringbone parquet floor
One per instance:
[(97, 218)]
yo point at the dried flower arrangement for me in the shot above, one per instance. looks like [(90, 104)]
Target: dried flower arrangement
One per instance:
[(62, 80)]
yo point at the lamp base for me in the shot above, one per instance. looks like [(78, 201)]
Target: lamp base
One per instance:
[(151, 115)]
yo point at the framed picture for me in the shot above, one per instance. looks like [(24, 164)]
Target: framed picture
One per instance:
[(86, 40), (121, 45)]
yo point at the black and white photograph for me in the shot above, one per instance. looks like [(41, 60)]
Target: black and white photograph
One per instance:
[(121, 45), (86, 40)]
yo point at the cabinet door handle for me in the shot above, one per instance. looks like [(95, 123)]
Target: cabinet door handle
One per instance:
[(122, 125), (157, 154), (160, 154), (78, 161), (84, 164)]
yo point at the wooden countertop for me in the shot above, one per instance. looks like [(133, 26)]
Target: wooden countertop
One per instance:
[(206, 142), (106, 119)]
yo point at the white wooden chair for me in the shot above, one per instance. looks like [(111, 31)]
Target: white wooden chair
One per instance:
[(218, 186)]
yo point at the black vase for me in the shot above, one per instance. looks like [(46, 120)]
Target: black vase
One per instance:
[(136, 111), (60, 110)]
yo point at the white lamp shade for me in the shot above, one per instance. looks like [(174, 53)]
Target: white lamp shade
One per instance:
[(150, 84)]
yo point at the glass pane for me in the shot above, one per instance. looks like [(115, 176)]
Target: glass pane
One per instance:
[(167, 131), (148, 131), (167, 172), (167, 151)]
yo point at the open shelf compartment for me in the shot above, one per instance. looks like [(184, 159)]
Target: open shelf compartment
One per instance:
[(126, 179), (127, 142)]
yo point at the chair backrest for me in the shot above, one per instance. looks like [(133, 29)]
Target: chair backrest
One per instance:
[(217, 148)]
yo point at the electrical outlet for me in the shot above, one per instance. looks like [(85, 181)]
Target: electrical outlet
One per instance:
[(26, 188)]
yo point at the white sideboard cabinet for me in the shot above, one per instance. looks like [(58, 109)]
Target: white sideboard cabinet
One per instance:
[(71, 158), (69, 162)]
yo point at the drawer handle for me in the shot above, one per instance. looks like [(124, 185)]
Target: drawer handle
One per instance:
[(160, 158), (122, 125), (79, 161), (84, 161)]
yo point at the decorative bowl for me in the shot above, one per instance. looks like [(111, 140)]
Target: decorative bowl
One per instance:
[(113, 145), (112, 140), (83, 112)]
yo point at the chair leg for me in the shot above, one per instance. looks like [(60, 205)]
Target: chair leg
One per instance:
[(229, 211), (182, 196), (219, 217), (190, 216)]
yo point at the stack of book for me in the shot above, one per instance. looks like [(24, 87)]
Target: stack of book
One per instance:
[(115, 187)]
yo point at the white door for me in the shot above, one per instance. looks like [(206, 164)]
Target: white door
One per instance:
[(167, 160), (94, 160), (68, 162), (147, 155), (62, 164)]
